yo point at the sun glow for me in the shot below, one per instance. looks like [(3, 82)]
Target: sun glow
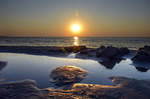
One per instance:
[(76, 28)]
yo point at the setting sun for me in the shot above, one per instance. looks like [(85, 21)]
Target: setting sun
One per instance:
[(76, 28)]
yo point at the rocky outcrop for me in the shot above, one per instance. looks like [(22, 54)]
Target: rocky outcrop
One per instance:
[(74, 49), (42, 50), (25, 89), (111, 52), (124, 88), (142, 55), (67, 74)]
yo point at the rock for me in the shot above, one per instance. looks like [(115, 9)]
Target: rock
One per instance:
[(124, 88), (109, 52), (124, 50), (67, 74), (88, 52), (25, 89), (74, 49), (142, 55)]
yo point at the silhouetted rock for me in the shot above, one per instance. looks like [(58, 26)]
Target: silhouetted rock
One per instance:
[(111, 52), (74, 49), (89, 52), (124, 50), (67, 74), (142, 55), (42, 50)]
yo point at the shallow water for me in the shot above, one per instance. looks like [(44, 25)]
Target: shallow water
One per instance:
[(23, 66)]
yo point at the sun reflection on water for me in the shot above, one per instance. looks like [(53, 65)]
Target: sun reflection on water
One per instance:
[(76, 41)]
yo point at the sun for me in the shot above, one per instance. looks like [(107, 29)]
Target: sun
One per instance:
[(76, 28)]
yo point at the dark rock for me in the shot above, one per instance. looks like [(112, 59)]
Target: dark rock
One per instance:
[(25, 89), (67, 74), (2, 64), (142, 55), (88, 52), (109, 52), (111, 55), (74, 49), (124, 50)]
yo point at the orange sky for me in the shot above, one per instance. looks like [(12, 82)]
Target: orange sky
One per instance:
[(101, 18)]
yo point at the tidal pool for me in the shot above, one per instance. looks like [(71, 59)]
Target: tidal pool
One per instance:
[(38, 68)]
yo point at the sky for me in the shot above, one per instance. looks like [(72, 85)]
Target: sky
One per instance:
[(99, 18)]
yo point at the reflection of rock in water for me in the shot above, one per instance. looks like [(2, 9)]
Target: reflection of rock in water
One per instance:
[(67, 74), (109, 64), (141, 69), (141, 66), (2, 65)]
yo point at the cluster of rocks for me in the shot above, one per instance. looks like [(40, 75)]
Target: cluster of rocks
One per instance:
[(42, 50), (142, 55), (111, 53)]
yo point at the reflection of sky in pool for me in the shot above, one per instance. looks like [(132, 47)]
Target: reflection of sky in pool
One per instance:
[(22, 66)]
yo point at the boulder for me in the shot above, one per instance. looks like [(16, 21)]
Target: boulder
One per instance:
[(108, 52), (67, 74), (142, 55), (124, 50), (111, 52), (25, 89)]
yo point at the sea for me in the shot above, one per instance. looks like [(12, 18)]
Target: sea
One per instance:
[(93, 42)]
